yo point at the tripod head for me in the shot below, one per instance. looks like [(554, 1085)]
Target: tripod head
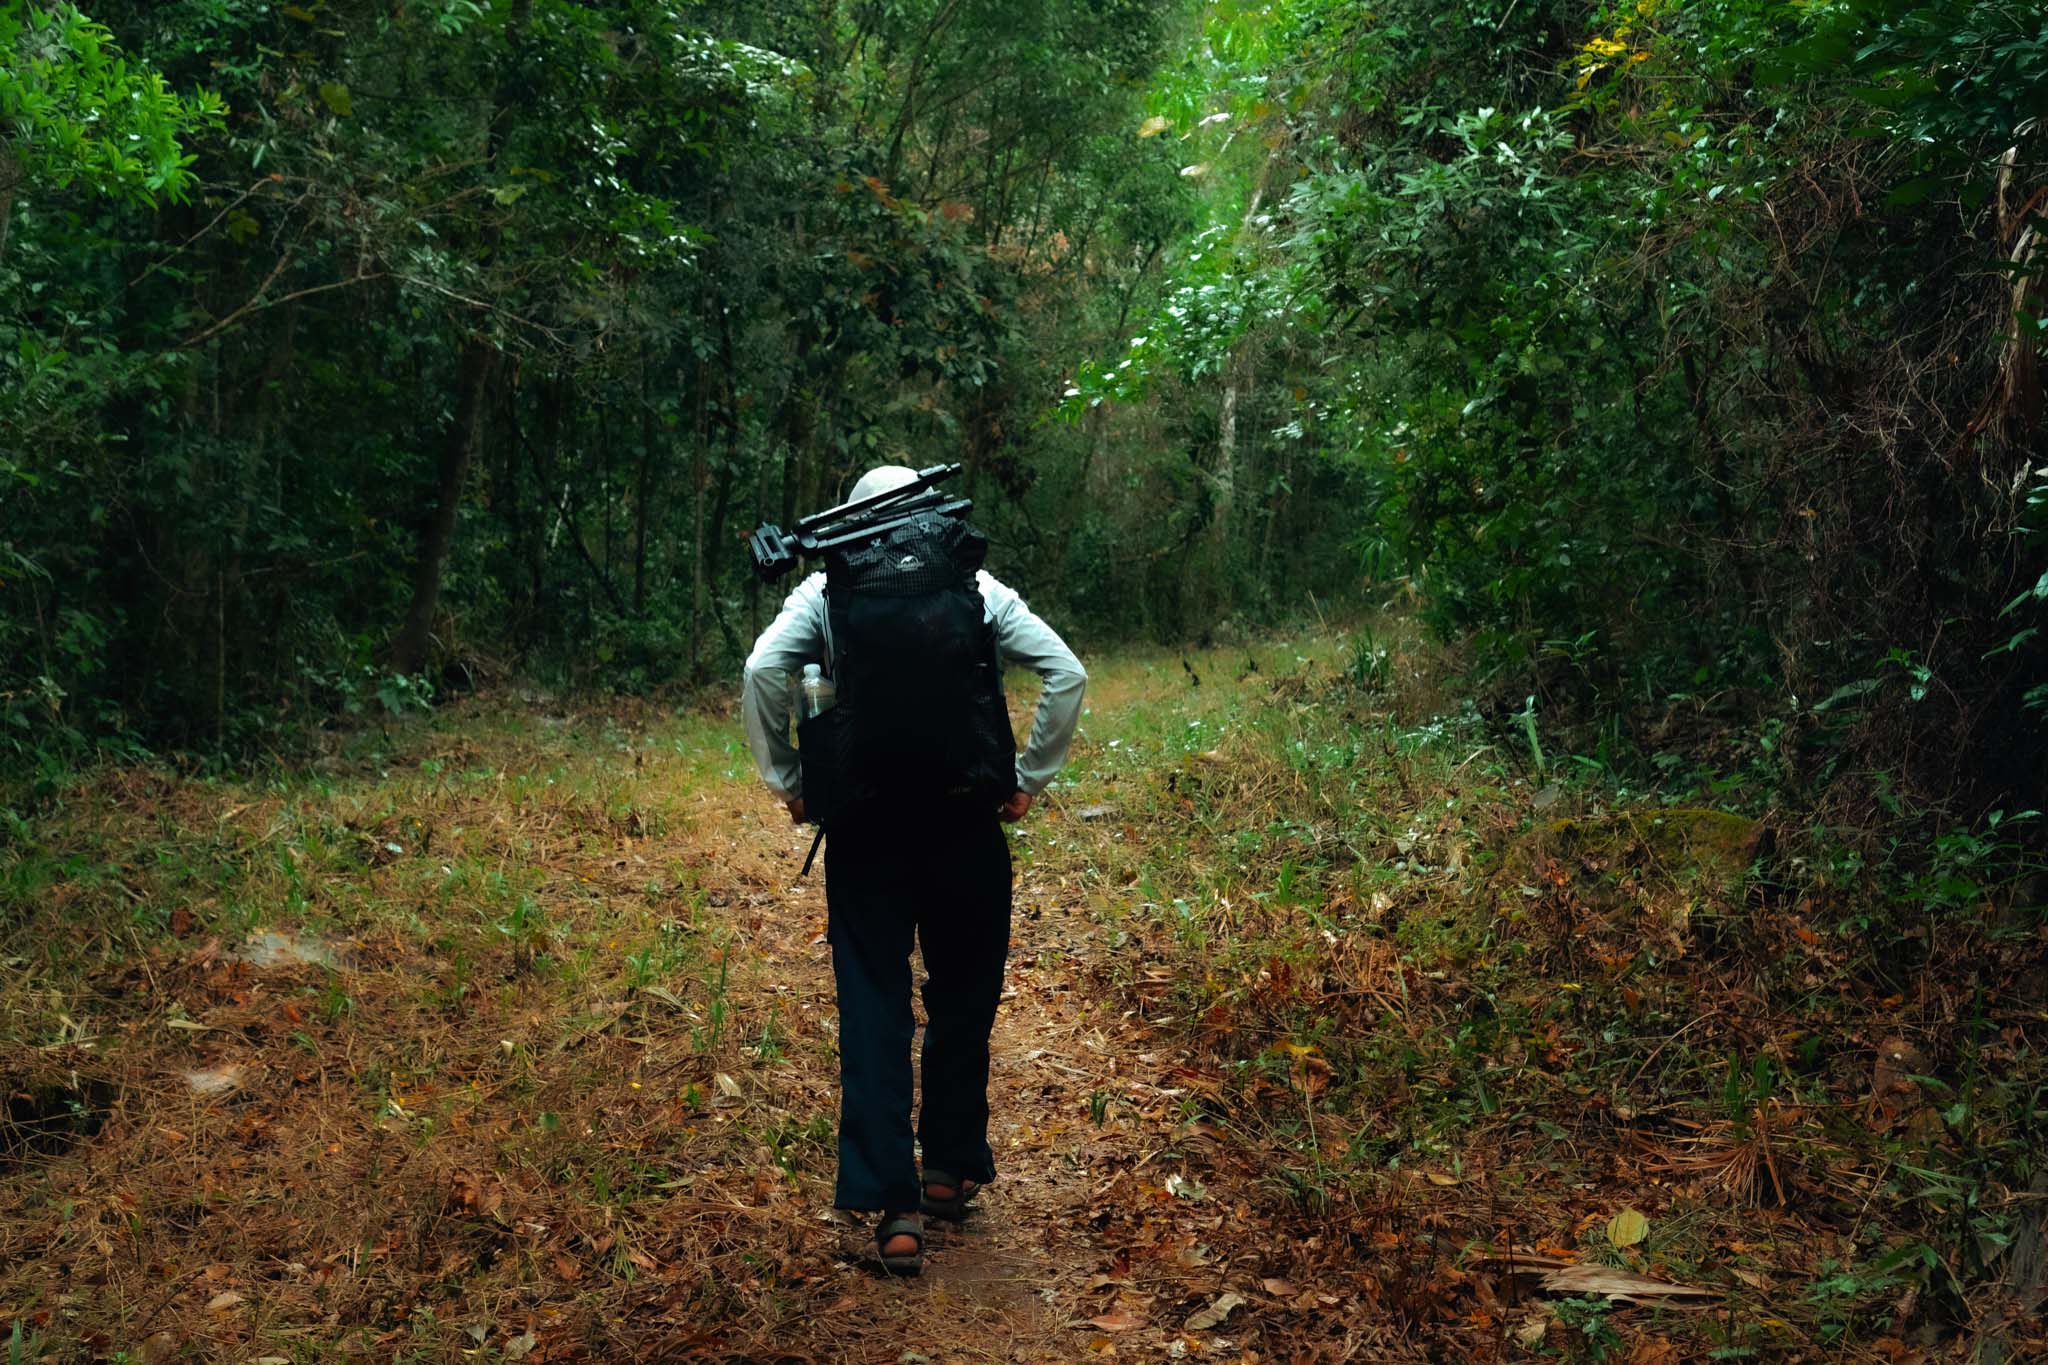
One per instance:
[(776, 551)]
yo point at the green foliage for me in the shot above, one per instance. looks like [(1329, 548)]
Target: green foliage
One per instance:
[(1678, 354), (485, 329), (74, 109), (1654, 327), (1957, 83)]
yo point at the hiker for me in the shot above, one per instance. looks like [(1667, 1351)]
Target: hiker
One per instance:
[(907, 860)]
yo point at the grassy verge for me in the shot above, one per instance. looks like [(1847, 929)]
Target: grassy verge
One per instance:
[(498, 1036), (1448, 1003), (492, 1022)]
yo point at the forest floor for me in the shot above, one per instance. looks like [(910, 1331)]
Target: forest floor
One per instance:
[(1332, 1032)]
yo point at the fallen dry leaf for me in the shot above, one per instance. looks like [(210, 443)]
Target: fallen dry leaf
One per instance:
[(1627, 1228), (1115, 1320), (220, 1303), (1623, 1285), (1279, 1289), (160, 1347), (1216, 1313)]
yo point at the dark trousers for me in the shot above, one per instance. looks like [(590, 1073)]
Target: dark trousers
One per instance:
[(946, 884)]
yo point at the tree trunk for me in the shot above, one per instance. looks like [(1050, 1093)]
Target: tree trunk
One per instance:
[(10, 180), (699, 436), (479, 362), (409, 646), (697, 481), (604, 445), (907, 113), (721, 513), (754, 579), (794, 424), (1237, 373), (641, 480), (1223, 479), (235, 646), (544, 453), (508, 507)]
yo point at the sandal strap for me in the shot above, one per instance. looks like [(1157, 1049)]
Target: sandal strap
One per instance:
[(899, 1225), (963, 1190)]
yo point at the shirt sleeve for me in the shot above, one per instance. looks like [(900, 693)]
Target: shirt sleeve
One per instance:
[(794, 638), (1028, 641)]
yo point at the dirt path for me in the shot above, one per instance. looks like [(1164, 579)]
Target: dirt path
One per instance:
[(555, 1081), (1042, 1271)]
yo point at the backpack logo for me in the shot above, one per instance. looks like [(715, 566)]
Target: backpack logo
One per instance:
[(909, 564)]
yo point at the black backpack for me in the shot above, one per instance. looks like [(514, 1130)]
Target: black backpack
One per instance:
[(919, 724)]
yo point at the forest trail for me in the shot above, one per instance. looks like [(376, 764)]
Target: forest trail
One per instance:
[(1041, 1269), (1553, 499), (509, 1036)]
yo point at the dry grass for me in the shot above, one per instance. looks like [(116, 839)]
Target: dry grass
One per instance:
[(1423, 1023), (1298, 1014), (549, 1003)]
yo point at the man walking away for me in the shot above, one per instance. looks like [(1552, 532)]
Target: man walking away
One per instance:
[(932, 866)]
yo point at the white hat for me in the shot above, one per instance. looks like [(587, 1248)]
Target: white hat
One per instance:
[(881, 479)]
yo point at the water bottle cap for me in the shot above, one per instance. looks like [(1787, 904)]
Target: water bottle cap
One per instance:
[(813, 671)]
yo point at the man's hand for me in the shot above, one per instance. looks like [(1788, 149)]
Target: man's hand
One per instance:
[(1016, 808), (796, 810)]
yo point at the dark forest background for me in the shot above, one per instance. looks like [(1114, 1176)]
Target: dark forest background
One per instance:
[(1676, 359)]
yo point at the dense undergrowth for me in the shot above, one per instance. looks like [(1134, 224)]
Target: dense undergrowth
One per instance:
[(499, 1032), (1679, 358), (1457, 993)]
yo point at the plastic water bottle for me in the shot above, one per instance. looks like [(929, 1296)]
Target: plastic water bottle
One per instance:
[(819, 693)]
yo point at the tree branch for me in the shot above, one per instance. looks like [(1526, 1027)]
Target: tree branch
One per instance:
[(256, 303)]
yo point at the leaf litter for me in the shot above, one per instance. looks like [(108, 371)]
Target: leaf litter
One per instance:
[(582, 1106)]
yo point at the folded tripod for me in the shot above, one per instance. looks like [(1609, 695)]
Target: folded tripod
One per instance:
[(776, 551)]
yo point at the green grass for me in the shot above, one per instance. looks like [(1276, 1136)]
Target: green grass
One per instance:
[(1332, 877), (1314, 882)]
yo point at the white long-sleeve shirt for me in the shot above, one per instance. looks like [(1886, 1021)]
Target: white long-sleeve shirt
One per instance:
[(798, 636)]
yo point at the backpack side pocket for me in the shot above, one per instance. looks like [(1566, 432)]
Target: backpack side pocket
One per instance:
[(822, 750)]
